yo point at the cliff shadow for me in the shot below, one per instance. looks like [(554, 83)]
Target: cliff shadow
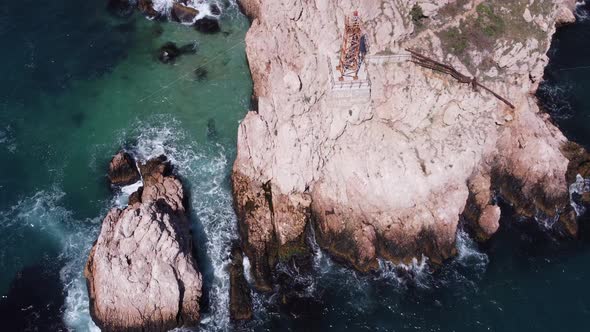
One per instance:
[(35, 299)]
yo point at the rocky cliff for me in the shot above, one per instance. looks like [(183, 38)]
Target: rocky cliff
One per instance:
[(392, 171), (141, 273)]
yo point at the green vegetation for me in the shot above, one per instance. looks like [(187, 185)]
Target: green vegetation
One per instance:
[(417, 14), (492, 21), (454, 40), (479, 32), (488, 22), (452, 9), (292, 249)]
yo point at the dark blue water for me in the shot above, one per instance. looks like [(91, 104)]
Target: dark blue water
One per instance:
[(79, 83)]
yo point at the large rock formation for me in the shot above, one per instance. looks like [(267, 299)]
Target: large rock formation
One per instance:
[(141, 273), (390, 172)]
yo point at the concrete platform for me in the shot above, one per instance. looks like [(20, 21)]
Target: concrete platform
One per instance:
[(349, 83)]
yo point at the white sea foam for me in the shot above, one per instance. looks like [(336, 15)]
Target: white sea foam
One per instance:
[(122, 197), (247, 270), (582, 11), (164, 7), (468, 254), (416, 272), (7, 140), (577, 189)]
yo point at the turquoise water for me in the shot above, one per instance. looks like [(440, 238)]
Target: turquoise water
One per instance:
[(79, 84)]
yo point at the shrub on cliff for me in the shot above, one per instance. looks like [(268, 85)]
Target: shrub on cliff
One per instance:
[(417, 14)]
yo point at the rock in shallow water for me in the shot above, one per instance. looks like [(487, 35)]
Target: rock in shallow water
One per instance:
[(123, 170), (147, 8), (169, 51), (121, 8), (183, 14), (141, 274), (207, 25)]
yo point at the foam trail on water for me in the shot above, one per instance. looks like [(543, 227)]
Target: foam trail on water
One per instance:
[(576, 190), (76, 251), (582, 11), (205, 170)]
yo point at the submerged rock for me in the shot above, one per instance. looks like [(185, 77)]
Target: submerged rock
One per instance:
[(183, 14), (207, 25), (201, 74), (147, 8), (211, 129), (121, 8), (123, 170), (169, 51), (240, 300), (141, 273)]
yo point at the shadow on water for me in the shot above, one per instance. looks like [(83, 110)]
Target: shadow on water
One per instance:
[(200, 241), (564, 92), (34, 300)]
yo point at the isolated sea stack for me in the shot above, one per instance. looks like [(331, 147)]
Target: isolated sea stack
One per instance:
[(141, 273), (388, 171)]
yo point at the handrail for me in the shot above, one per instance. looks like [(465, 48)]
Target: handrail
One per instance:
[(432, 64)]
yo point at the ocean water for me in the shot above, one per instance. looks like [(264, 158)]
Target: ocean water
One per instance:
[(79, 83)]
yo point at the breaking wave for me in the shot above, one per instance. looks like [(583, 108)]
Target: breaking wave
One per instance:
[(470, 263), (582, 11), (555, 99), (205, 8), (576, 190)]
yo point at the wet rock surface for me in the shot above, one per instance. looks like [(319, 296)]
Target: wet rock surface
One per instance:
[(141, 273), (240, 304), (123, 170), (183, 14)]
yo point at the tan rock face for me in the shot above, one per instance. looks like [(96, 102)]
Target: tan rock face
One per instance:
[(123, 170), (141, 274), (389, 173)]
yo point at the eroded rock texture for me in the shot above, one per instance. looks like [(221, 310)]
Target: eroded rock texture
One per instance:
[(141, 273), (390, 173), (123, 170)]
